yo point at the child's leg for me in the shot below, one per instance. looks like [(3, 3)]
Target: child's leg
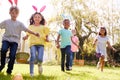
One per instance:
[(69, 58), (73, 55), (102, 62), (13, 49), (4, 49), (98, 64), (40, 58), (40, 50), (32, 59), (62, 58)]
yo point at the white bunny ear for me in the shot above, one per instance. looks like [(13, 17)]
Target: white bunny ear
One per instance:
[(43, 8), (34, 7), (63, 16), (16, 1), (10, 1), (66, 16)]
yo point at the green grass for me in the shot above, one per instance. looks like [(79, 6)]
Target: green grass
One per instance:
[(54, 72)]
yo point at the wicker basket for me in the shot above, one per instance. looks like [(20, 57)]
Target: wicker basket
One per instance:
[(22, 57)]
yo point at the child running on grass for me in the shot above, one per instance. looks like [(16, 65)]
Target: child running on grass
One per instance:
[(37, 24), (74, 48), (101, 41), (11, 38), (66, 36)]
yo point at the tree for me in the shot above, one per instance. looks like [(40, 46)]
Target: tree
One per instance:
[(84, 18)]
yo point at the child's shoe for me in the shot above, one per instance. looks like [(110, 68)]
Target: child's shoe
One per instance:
[(31, 74), (98, 65), (40, 69)]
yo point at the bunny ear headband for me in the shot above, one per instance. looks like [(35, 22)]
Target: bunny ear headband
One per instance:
[(66, 16), (11, 2), (41, 9)]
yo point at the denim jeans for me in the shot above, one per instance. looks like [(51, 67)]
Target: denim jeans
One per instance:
[(66, 52), (71, 60), (37, 52), (13, 48)]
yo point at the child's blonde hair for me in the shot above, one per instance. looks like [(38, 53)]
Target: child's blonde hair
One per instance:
[(14, 8)]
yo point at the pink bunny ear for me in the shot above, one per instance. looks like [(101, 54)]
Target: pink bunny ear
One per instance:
[(10, 2), (16, 1), (35, 8), (42, 9)]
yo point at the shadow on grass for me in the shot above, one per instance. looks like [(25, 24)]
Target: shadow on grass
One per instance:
[(81, 75), (39, 77), (78, 73)]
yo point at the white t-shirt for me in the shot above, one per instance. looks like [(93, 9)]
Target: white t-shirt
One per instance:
[(101, 45), (13, 30)]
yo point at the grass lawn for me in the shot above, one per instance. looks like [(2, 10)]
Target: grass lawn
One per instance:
[(54, 72)]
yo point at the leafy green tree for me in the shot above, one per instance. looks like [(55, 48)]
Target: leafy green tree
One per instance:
[(85, 19)]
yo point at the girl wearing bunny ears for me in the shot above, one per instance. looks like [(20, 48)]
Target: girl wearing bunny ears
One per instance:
[(37, 24), (11, 37)]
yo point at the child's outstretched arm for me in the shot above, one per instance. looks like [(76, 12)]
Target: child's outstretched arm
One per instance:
[(109, 45), (57, 41), (94, 42), (25, 37), (31, 32)]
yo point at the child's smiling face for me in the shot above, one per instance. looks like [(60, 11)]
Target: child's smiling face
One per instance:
[(102, 31), (66, 24), (14, 13), (37, 18)]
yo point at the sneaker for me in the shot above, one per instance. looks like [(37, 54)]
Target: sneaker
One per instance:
[(31, 74), (70, 68), (40, 69), (67, 69), (98, 65), (63, 70), (8, 72)]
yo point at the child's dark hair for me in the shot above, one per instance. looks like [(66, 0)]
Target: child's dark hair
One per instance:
[(66, 20), (104, 29), (14, 8), (42, 22)]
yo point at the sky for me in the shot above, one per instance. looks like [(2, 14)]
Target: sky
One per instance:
[(26, 9)]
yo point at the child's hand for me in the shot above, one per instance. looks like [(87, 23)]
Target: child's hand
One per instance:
[(58, 46), (114, 50), (78, 46), (37, 34), (25, 37), (47, 39)]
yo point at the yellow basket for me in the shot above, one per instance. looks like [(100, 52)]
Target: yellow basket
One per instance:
[(22, 57)]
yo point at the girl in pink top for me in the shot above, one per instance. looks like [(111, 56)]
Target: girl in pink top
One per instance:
[(74, 47)]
